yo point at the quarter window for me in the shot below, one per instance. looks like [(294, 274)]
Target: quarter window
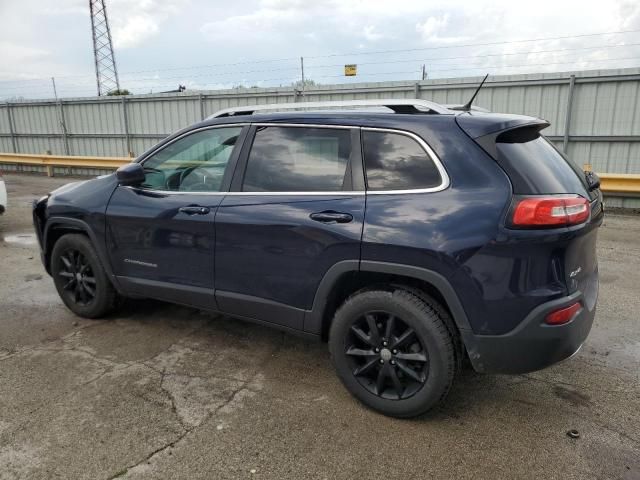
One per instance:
[(397, 162), (298, 159), (195, 163)]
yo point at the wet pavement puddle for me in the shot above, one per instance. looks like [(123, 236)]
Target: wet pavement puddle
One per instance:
[(21, 239)]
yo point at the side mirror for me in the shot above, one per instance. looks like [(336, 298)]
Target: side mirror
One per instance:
[(131, 174), (593, 180)]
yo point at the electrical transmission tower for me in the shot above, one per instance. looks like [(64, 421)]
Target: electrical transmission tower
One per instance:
[(106, 71)]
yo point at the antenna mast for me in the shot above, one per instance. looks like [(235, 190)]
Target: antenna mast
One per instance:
[(106, 71)]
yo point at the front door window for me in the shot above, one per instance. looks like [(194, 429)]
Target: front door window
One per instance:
[(195, 163)]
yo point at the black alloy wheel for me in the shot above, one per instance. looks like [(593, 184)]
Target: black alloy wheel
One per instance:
[(393, 351), (80, 279), (80, 282), (387, 357)]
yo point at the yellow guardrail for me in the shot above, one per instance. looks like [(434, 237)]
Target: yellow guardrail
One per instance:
[(620, 184), (611, 183), (50, 161)]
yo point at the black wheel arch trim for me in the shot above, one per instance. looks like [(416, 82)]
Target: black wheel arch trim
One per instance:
[(314, 318), (82, 226)]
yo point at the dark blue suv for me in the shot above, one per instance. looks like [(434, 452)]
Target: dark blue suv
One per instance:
[(409, 236)]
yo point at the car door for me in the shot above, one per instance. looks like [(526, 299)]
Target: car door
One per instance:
[(161, 235), (295, 209)]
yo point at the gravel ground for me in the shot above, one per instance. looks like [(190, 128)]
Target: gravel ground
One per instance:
[(162, 391)]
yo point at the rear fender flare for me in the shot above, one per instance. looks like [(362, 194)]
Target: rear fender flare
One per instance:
[(313, 318)]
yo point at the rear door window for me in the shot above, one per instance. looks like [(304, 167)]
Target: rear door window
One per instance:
[(394, 161), (298, 159)]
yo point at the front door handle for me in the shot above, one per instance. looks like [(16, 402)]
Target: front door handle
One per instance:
[(194, 210), (330, 216)]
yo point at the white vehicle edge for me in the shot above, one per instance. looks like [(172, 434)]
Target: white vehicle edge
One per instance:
[(3, 195)]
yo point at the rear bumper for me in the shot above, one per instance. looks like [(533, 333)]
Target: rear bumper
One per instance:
[(532, 345)]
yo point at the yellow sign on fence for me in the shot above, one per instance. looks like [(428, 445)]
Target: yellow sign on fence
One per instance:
[(350, 70)]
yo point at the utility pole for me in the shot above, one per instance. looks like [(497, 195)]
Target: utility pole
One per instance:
[(424, 72), (302, 70), (105, 61)]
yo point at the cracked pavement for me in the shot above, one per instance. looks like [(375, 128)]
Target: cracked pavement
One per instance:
[(163, 391)]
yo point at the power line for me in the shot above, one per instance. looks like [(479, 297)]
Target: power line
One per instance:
[(386, 62), (505, 42), (247, 62), (462, 57), (564, 37), (292, 78), (416, 71)]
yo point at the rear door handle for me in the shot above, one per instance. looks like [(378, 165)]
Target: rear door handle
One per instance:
[(194, 210), (330, 216)]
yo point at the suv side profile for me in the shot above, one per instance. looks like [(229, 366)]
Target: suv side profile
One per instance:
[(408, 239)]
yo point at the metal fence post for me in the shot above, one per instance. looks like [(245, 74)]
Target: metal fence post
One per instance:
[(63, 126), (201, 100), (567, 118), (11, 131), (125, 121)]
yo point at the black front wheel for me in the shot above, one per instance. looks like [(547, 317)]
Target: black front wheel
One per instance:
[(393, 351), (80, 279)]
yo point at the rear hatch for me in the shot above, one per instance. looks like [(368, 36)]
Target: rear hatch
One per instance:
[(550, 193)]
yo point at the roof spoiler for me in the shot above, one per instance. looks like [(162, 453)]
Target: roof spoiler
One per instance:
[(488, 131)]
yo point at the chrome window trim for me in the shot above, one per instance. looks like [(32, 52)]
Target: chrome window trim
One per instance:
[(305, 125), (263, 194), (185, 134), (432, 155), (443, 173)]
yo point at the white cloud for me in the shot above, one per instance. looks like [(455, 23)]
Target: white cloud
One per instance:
[(432, 26), (134, 21), (15, 54), (133, 31), (370, 33)]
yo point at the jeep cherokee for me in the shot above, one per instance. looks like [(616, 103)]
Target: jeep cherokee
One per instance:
[(409, 236)]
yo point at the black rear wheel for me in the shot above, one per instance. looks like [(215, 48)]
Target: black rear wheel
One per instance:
[(386, 355), (80, 279), (393, 352)]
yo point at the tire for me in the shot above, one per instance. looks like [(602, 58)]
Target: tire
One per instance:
[(90, 295), (417, 363)]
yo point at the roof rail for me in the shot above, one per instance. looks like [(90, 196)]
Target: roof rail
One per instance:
[(398, 105)]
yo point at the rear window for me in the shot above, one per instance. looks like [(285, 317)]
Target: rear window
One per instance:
[(536, 167), (397, 162)]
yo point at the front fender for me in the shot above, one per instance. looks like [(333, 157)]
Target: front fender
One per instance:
[(74, 225)]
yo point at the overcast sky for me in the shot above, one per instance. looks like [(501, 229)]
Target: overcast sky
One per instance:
[(162, 43)]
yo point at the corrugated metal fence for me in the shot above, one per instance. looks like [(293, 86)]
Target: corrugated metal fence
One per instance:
[(594, 115)]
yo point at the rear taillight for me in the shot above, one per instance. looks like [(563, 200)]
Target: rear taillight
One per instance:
[(550, 211), (563, 315)]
